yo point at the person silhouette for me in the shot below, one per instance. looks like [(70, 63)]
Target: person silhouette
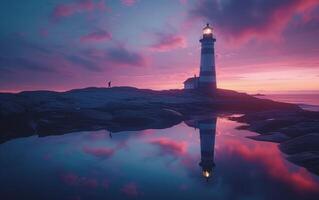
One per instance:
[(109, 84)]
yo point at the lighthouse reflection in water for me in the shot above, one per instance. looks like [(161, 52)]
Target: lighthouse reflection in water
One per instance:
[(207, 132), (173, 163)]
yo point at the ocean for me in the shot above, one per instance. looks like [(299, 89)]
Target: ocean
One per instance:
[(305, 101)]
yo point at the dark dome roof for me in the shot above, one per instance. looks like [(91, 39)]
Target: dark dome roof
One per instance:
[(191, 80)]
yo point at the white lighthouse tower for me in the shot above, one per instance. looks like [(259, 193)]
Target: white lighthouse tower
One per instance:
[(207, 75), (207, 131)]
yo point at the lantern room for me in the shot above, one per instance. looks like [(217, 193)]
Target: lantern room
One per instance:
[(207, 31)]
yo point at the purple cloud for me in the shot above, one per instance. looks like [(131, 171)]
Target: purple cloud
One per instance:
[(21, 63), (100, 152), (79, 6), (168, 146), (17, 54), (44, 32), (168, 42), (183, 1), (72, 179), (130, 189), (124, 57), (96, 36), (250, 19), (128, 2), (84, 62)]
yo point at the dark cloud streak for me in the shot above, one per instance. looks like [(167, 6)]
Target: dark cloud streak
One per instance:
[(96, 36), (122, 56), (84, 62), (79, 6), (19, 63), (238, 19), (168, 42)]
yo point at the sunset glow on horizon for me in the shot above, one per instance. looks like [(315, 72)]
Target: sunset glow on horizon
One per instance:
[(262, 46)]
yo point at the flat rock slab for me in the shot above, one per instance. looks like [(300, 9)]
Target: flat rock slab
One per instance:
[(305, 143), (309, 160), (274, 137)]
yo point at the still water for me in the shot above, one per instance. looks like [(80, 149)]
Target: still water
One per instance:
[(206, 159)]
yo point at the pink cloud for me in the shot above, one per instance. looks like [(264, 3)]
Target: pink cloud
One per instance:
[(275, 165), (97, 36), (170, 147), (183, 1), (130, 190), (90, 182), (183, 187), (69, 179), (44, 32), (277, 22), (105, 184), (98, 135), (80, 6), (101, 152), (75, 180), (128, 2), (168, 42), (265, 19)]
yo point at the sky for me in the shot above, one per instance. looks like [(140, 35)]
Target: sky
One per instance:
[(262, 45)]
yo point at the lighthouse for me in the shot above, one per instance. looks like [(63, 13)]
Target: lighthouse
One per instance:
[(207, 75), (207, 132)]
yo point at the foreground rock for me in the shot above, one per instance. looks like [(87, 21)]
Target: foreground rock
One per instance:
[(304, 151)]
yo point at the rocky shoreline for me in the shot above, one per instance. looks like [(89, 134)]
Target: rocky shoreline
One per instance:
[(297, 133), (115, 109), (125, 108)]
